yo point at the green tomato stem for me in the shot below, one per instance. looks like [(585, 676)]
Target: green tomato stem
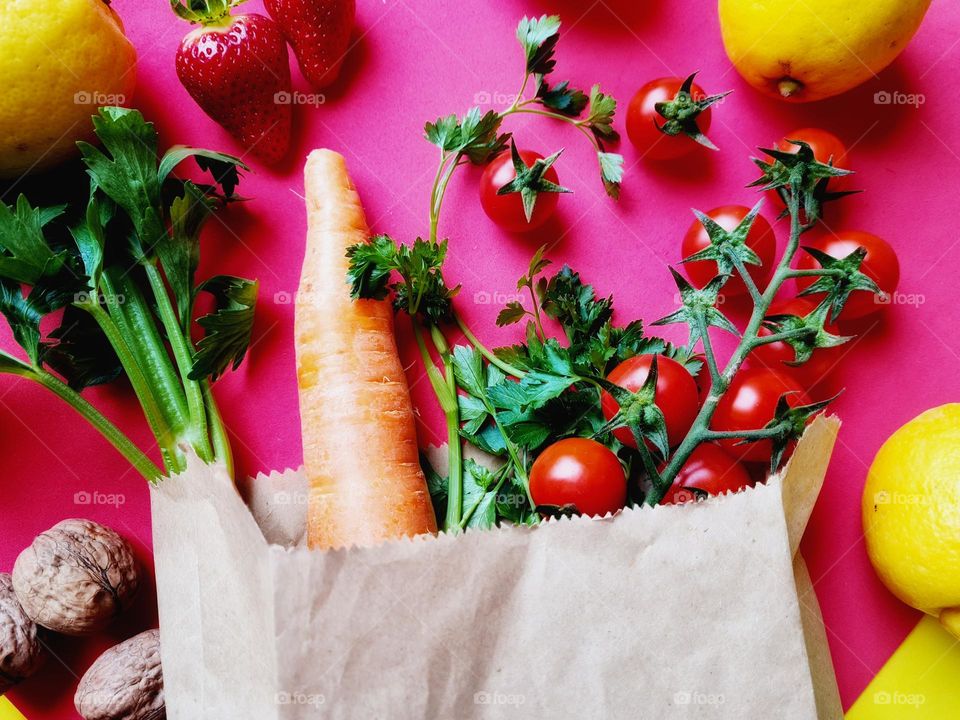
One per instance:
[(700, 430), (715, 379), (759, 434), (752, 288)]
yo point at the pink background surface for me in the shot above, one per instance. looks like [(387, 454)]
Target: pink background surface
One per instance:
[(416, 59)]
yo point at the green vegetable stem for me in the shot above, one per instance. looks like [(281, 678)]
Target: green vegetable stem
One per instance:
[(121, 269)]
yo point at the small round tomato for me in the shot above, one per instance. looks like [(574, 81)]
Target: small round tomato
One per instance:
[(749, 404), (677, 395), (760, 239), (880, 264), (827, 148), (710, 469), (777, 355), (507, 210), (579, 472), (643, 120)]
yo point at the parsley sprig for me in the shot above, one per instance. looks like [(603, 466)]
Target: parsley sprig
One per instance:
[(122, 269)]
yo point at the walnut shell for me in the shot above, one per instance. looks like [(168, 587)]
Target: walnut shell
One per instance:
[(76, 577), (21, 653), (125, 683)]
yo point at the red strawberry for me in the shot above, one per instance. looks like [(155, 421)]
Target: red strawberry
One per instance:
[(319, 32), (238, 70)]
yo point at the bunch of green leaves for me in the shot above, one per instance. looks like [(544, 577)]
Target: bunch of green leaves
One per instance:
[(122, 268), (591, 111), (476, 136), (421, 288)]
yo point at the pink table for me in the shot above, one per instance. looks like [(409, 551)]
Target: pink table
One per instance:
[(417, 59)]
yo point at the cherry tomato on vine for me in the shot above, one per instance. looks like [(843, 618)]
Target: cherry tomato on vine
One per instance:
[(643, 119), (579, 472), (826, 147), (760, 239), (776, 355), (749, 404), (677, 395), (880, 264), (507, 210), (710, 469)]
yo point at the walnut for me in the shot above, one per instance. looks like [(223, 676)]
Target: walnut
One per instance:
[(21, 653), (125, 683), (76, 577)]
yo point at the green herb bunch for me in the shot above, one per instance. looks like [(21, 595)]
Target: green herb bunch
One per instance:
[(515, 401), (121, 272)]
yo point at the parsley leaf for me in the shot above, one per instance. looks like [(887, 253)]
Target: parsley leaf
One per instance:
[(611, 172), (538, 37), (475, 136), (600, 115), (228, 328), (561, 97), (422, 289)]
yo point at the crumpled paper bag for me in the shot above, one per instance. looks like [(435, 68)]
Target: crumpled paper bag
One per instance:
[(686, 611)]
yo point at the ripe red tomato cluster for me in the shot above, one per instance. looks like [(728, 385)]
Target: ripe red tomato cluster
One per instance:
[(589, 476)]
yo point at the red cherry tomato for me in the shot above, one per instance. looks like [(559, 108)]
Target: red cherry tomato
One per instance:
[(760, 239), (676, 396), (880, 264), (826, 147), (710, 469), (750, 403), (643, 118), (776, 355), (507, 210), (579, 472)]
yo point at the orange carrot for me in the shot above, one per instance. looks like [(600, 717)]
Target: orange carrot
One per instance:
[(359, 439)]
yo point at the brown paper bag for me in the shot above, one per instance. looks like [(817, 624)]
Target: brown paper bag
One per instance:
[(669, 612)]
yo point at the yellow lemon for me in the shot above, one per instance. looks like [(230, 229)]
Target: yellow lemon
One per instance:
[(804, 50), (911, 514), (59, 61)]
